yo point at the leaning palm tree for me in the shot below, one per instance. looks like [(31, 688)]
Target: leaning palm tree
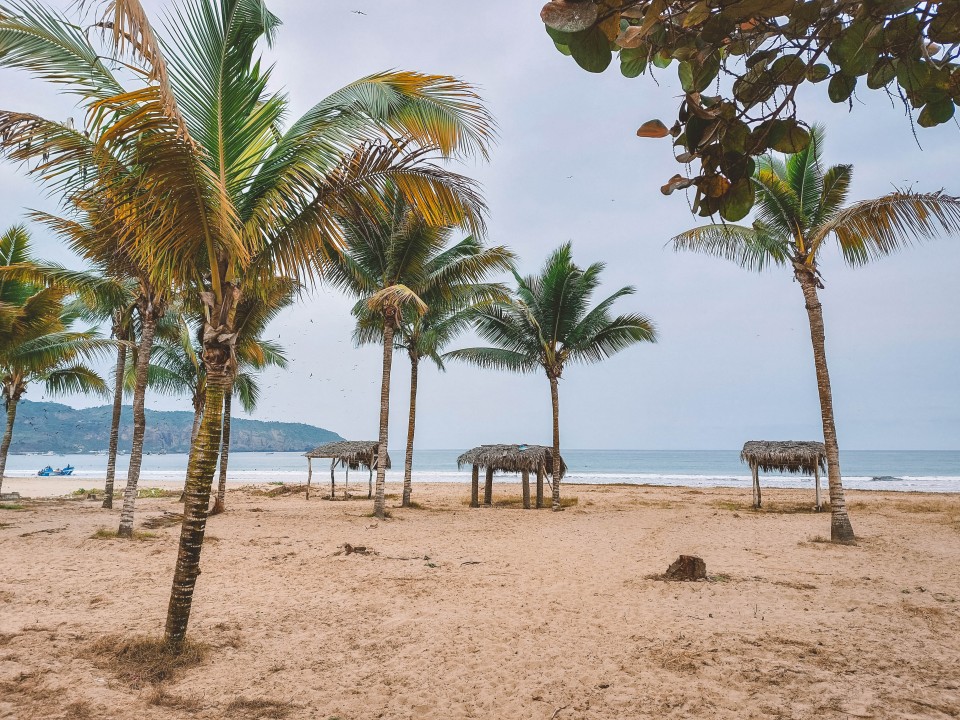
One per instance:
[(37, 344), (395, 264), (548, 323), (210, 192), (450, 307), (800, 206)]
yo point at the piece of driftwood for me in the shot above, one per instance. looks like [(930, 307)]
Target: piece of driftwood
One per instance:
[(687, 567)]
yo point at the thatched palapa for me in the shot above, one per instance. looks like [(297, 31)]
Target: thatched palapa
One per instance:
[(349, 454), (789, 456), (523, 459)]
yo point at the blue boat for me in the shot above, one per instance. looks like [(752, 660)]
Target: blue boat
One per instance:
[(59, 472)]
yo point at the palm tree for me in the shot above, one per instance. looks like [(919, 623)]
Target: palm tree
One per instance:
[(254, 354), (449, 312), (395, 263), (36, 342), (547, 323), (216, 191), (799, 207)]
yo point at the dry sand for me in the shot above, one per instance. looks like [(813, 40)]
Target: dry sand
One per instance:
[(496, 612)]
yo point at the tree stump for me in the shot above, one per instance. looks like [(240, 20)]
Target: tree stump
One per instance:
[(687, 567)]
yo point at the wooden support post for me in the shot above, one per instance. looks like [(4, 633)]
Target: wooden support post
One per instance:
[(539, 487), (309, 475), (488, 488), (333, 464), (346, 484), (816, 481), (756, 485), (475, 487), (525, 479)]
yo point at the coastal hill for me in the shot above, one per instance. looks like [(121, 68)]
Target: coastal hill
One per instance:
[(43, 426)]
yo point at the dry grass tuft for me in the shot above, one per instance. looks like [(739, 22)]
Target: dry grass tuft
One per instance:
[(81, 710), (10, 506), (142, 661), (258, 708), (161, 698), (279, 490), (107, 534), (161, 521)]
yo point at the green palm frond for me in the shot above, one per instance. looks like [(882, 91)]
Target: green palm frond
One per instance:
[(805, 176), (43, 42), (778, 207), (247, 390), (833, 195), (492, 358), (75, 379), (616, 335), (753, 248)]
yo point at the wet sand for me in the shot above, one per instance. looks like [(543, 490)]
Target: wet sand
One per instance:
[(496, 612)]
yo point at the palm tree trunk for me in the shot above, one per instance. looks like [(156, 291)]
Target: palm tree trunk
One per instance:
[(203, 463), (555, 398), (139, 422), (219, 504), (115, 426), (378, 501), (197, 414), (7, 436), (841, 531), (411, 428)]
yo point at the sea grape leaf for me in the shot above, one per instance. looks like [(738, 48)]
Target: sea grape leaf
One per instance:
[(653, 129)]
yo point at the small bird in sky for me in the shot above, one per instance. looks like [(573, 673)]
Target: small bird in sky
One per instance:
[(358, 12)]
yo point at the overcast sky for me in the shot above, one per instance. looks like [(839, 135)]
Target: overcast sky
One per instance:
[(734, 360)]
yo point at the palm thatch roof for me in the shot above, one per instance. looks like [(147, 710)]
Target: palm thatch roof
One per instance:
[(356, 453), (791, 456), (511, 458)]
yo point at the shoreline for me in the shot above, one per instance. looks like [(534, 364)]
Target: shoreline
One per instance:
[(67, 487)]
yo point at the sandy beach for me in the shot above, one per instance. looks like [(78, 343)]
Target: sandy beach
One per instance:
[(496, 612)]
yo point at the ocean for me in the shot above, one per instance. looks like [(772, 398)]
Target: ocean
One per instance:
[(904, 470)]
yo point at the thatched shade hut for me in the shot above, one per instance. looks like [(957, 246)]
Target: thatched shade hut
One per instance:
[(349, 454), (789, 456), (523, 459)]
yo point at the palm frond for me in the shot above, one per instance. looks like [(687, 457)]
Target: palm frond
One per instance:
[(875, 228), (492, 358), (75, 379), (751, 248)]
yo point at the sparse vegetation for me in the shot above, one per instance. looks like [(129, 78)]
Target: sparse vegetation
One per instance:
[(107, 534), (258, 708), (142, 661)]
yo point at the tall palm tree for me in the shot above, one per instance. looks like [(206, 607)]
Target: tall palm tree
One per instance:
[(254, 354), (800, 206), (37, 344), (95, 233), (394, 264), (217, 193), (548, 323), (449, 313)]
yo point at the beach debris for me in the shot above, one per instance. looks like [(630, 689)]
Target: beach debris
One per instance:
[(348, 549), (10, 496), (48, 531), (687, 567)]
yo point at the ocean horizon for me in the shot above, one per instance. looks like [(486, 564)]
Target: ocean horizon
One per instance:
[(903, 470)]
